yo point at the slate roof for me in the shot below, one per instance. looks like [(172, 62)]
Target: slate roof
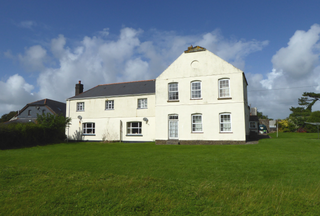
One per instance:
[(119, 89), (55, 106)]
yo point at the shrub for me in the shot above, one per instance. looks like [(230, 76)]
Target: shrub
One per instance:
[(286, 125)]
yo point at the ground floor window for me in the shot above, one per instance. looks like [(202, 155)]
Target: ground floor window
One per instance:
[(197, 123), (89, 128), (225, 122), (134, 128)]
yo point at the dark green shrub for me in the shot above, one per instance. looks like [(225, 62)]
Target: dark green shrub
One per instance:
[(48, 130)]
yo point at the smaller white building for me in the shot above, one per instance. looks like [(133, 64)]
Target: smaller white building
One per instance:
[(198, 99)]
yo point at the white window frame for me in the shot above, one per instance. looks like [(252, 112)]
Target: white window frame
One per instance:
[(109, 104), (89, 128), (134, 129), (222, 89), (173, 120), (196, 127), (222, 123), (195, 93), (142, 103), (173, 91), (80, 106)]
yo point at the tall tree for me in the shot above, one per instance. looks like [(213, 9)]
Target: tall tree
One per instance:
[(8, 116), (308, 99)]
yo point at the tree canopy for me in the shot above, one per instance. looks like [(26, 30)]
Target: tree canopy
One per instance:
[(8, 116), (308, 99)]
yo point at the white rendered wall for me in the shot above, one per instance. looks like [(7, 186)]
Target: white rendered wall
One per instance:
[(107, 122), (206, 67)]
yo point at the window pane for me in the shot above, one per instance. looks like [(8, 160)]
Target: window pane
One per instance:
[(173, 91), (196, 90)]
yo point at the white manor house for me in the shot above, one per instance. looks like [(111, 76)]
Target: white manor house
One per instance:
[(198, 99)]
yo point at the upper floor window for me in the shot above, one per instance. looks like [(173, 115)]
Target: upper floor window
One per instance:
[(196, 90), (109, 104), (29, 112), (173, 92), (142, 103), (80, 106), (196, 123), (89, 128), (224, 88), (225, 122)]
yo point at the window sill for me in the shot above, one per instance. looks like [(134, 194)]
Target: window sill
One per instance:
[(195, 98), (108, 109), (88, 134), (134, 135), (172, 100), (227, 132), (142, 108), (225, 98), (197, 132)]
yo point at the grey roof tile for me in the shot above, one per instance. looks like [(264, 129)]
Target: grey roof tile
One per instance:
[(119, 89)]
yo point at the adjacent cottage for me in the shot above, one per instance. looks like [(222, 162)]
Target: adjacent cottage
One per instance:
[(29, 112), (198, 99)]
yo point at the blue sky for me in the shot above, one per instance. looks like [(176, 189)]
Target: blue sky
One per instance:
[(47, 46)]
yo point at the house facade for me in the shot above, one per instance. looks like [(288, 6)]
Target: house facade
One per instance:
[(198, 99)]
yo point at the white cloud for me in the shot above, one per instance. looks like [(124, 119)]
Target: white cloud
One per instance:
[(15, 93), (27, 24), (34, 58), (296, 70), (104, 59), (233, 51), (301, 55)]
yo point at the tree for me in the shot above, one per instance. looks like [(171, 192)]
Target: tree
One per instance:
[(8, 116), (308, 99), (299, 116), (314, 117), (261, 116), (53, 121)]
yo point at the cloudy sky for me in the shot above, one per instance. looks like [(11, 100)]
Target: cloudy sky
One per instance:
[(46, 47)]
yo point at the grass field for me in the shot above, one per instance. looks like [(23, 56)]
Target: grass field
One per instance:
[(278, 176)]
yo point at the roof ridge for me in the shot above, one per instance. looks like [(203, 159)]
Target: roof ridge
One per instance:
[(127, 82)]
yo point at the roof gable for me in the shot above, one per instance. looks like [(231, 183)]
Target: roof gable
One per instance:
[(198, 61)]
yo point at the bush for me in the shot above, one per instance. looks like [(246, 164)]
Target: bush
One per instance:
[(301, 130), (286, 125)]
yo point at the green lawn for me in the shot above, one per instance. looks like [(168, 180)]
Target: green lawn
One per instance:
[(278, 176)]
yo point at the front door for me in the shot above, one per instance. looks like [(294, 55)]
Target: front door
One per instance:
[(173, 127)]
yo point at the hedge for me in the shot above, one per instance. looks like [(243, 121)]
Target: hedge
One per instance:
[(28, 135)]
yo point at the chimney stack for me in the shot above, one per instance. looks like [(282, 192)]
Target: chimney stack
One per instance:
[(79, 88)]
